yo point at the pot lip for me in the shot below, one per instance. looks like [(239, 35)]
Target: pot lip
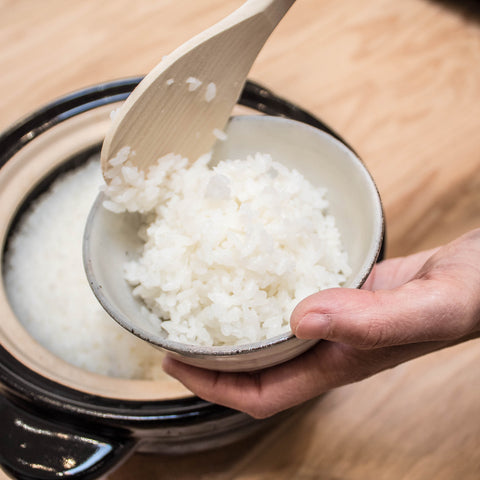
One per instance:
[(22, 384), (26, 129), (17, 380)]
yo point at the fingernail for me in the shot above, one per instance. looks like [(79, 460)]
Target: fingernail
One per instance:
[(313, 325)]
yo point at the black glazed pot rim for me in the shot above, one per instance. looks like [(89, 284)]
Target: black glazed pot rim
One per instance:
[(23, 384)]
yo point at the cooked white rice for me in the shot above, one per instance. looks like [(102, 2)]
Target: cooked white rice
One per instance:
[(219, 134), (49, 292), (210, 92), (193, 83), (230, 250)]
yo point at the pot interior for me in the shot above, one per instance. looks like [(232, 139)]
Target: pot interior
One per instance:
[(26, 175)]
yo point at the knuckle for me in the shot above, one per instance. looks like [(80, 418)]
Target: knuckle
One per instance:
[(373, 336), (373, 330)]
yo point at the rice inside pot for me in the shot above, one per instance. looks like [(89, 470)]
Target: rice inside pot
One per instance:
[(48, 290)]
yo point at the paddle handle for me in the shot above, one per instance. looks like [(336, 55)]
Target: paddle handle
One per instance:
[(265, 14), (223, 55)]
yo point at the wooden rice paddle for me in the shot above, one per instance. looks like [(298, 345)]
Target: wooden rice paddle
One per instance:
[(170, 112)]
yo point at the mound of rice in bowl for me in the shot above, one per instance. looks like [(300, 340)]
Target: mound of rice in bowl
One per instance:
[(229, 250)]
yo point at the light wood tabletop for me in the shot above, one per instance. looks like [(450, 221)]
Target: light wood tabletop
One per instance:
[(400, 81)]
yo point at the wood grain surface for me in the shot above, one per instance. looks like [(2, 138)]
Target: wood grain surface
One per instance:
[(400, 80)]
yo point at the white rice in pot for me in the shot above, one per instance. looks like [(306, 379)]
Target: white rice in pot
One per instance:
[(48, 290), (230, 250)]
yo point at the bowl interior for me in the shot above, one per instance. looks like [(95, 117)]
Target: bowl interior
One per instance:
[(110, 238)]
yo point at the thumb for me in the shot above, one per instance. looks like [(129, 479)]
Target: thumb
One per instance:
[(418, 311)]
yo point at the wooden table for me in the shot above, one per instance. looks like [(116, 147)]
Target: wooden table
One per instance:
[(400, 80)]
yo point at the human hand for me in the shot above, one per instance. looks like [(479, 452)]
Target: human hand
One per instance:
[(408, 307)]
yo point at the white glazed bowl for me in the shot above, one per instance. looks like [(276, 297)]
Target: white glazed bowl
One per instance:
[(322, 159)]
